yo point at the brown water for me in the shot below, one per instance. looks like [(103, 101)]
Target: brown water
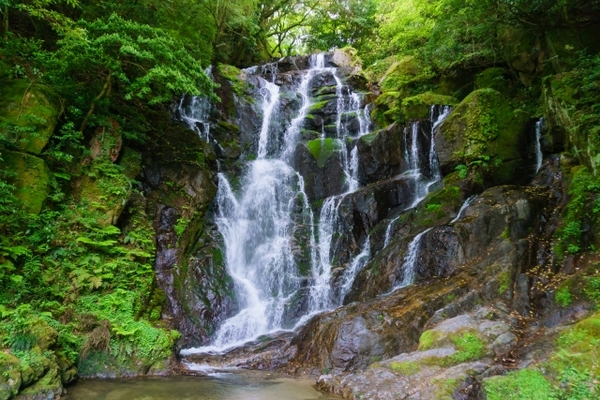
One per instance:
[(245, 386)]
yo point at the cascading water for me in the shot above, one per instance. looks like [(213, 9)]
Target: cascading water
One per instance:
[(539, 155), (257, 220), (423, 179), (410, 261), (353, 269), (195, 112), (466, 204), (388, 232)]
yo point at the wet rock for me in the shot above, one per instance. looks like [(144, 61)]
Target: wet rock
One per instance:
[(464, 137), (265, 353), (380, 154), (388, 326), (319, 183)]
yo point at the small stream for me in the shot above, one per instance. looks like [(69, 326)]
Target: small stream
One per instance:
[(243, 386)]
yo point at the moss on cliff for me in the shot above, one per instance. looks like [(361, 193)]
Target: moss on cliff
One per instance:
[(322, 149), (28, 115)]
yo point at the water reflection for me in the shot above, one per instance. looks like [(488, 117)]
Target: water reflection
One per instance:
[(247, 386)]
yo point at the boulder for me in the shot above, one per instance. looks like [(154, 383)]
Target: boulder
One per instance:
[(485, 134), (29, 175), (28, 114), (380, 154)]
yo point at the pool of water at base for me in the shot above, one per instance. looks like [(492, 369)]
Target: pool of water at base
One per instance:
[(229, 386)]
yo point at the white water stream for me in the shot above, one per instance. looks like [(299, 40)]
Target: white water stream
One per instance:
[(539, 155), (257, 221)]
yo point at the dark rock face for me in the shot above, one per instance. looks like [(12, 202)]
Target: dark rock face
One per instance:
[(189, 266), (380, 154), (356, 335), (319, 183), (484, 249)]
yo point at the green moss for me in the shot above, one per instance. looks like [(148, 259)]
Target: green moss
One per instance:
[(234, 76), (492, 78), (418, 107), (322, 149), (369, 138), (579, 347), (503, 282), (406, 70), (28, 115), (315, 107), (440, 203), (582, 210), (469, 347), (563, 296), (445, 388), (30, 177), (524, 384), (429, 338), (483, 126), (405, 367)]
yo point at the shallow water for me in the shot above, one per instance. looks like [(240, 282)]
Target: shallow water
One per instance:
[(251, 386)]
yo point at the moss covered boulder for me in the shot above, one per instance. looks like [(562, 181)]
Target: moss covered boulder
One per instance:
[(106, 183), (28, 114), (29, 175), (484, 132), (419, 106), (405, 77)]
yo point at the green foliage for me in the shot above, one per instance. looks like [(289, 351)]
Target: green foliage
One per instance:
[(592, 289), (523, 384), (563, 296), (582, 209), (469, 347), (336, 24)]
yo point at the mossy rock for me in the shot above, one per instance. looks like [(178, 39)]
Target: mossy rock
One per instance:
[(525, 384), (235, 76), (131, 161), (418, 107), (28, 115), (483, 130), (387, 108), (10, 375), (577, 347), (322, 149), (104, 189), (30, 177), (570, 120), (492, 78), (403, 72)]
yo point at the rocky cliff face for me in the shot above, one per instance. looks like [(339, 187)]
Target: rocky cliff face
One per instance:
[(445, 285), (414, 256)]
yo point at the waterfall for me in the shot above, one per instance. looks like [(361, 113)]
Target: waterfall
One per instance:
[(466, 204), (388, 232), (423, 179), (196, 112), (410, 261), (539, 156), (320, 293), (270, 95), (257, 217), (354, 268)]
